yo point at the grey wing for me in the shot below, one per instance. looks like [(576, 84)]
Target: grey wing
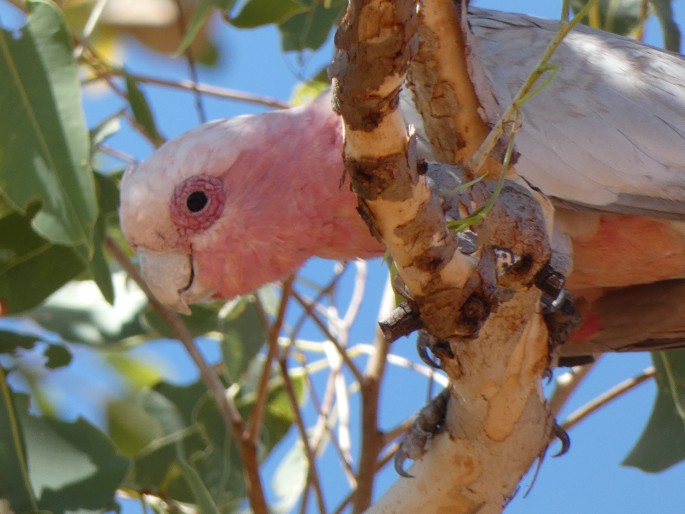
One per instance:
[(608, 133)]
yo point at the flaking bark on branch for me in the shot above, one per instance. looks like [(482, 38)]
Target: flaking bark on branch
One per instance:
[(497, 421)]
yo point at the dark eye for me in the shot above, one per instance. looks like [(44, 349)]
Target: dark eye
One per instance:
[(197, 201)]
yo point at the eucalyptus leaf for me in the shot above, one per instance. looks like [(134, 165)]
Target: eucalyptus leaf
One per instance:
[(79, 314), (45, 150), (617, 16), (662, 443), (141, 110), (202, 320), (290, 479), (672, 36), (256, 13), (72, 465), (54, 465), (130, 426), (15, 485), (200, 17), (56, 354), (32, 268), (310, 29), (244, 335)]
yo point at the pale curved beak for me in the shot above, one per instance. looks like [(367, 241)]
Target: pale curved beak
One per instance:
[(171, 277)]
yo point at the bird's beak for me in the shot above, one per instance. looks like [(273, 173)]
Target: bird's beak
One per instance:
[(171, 277)]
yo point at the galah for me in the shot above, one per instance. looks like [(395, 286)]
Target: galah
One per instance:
[(237, 203)]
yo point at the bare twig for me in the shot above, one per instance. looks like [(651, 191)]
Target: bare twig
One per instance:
[(206, 89), (19, 4), (610, 395), (228, 409), (117, 154), (566, 385), (192, 68), (93, 19), (313, 474), (371, 437), (255, 424), (310, 311)]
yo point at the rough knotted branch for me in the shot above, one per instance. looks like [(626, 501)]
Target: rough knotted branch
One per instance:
[(497, 422), (375, 42)]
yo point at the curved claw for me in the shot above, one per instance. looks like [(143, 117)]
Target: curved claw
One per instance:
[(548, 374), (422, 346), (564, 439), (399, 460)]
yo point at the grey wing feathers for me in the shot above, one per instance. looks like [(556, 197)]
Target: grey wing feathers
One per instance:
[(608, 133)]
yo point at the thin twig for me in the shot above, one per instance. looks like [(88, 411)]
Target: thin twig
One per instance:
[(357, 295), (22, 6), (603, 399), (255, 423), (566, 385), (313, 474), (371, 436), (117, 154), (93, 19), (310, 311), (228, 409), (192, 68), (206, 89), (526, 90)]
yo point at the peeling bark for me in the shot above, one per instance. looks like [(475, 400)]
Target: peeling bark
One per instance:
[(497, 423)]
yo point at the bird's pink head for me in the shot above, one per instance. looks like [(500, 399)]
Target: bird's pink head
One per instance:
[(235, 204)]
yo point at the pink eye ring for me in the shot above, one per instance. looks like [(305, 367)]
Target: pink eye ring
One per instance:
[(197, 202)]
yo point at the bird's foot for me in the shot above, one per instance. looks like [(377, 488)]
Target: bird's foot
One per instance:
[(440, 349), (563, 437), (558, 306), (429, 422)]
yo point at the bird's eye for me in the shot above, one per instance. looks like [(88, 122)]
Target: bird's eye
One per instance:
[(197, 201)]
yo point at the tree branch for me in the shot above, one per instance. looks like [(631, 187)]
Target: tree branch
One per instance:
[(606, 397), (502, 424), (229, 411)]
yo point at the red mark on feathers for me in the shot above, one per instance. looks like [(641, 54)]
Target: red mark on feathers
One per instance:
[(627, 250)]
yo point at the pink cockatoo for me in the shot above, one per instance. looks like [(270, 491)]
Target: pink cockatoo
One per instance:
[(237, 203)]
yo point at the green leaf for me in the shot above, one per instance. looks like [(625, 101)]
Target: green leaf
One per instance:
[(156, 466), (107, 128), (244, 335), (662, 444), (310, 29), (56, 355), (200, 16), (202, 320), (617, 16), (79, 314), (263, 12), (305, 92), (203, 498), (32, 268), (14, 479), (130, 426), (5, 206), (141, 111), (664, 11), (72, 465), (195, 435), (290, 479), (44, 153)]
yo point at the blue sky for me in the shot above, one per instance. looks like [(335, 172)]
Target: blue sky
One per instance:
[(587, 480)]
